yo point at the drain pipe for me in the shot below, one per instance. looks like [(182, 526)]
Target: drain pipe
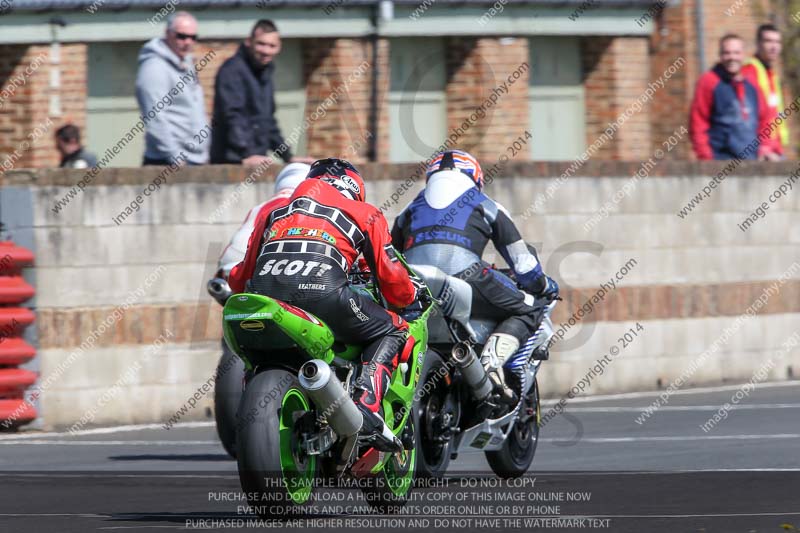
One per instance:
[(382, 10), (701, 36), (54, 88)]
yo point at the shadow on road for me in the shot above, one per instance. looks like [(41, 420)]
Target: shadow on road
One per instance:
[(172, 457)]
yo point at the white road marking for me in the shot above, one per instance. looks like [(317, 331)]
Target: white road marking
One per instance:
[(104, 474), (679, 438), (741, 470), (698, 390), (713, 515), (573, 517), (113, 442), (741, 407), (33, 515), (666, 438), (546, 473), (143, 527), (106, 431), (706, 515)]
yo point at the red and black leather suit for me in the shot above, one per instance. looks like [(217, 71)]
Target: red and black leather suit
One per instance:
[(241, 273), (305, 249)]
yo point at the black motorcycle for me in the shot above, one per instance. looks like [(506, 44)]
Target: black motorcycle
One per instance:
[(457, 407)]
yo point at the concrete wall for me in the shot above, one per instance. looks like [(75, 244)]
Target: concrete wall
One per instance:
[(127, 333)]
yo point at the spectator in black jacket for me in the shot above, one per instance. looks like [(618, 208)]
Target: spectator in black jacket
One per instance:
[(73, 154), (244, 125)]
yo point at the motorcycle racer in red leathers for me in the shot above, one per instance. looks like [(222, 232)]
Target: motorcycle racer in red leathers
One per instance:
[(304, 255)]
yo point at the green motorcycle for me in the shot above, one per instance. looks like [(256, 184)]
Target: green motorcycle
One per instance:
[(297, 423)]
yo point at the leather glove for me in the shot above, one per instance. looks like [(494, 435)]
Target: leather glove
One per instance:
[(422, 294), (551, 289)]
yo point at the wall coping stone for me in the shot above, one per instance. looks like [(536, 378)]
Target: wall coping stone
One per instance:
[(229, 174)]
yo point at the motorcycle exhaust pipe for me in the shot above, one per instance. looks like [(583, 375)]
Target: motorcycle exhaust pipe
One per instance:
[(472, 370), (219, 289), (321, 384)]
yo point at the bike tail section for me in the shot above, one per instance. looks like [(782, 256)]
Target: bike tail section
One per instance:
[(263, 330)]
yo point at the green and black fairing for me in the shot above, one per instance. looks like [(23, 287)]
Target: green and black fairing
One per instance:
[(265, 331), (274, 340)]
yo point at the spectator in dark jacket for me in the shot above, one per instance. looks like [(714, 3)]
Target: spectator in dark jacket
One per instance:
[(73, 155), (728, 113), (244, 125)]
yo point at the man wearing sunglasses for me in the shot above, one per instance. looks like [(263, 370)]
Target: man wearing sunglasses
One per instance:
[(170, 96)]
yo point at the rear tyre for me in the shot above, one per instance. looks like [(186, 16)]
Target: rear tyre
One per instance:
[(227, 394), (275, 474), (516, 455), (433, 407)]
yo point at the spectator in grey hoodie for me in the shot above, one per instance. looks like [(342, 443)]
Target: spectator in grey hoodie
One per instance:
[(170, 96)]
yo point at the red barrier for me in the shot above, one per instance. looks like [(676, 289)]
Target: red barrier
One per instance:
[(14, 258), (17, 411), (14, 319), (14, 289), (14, 381), (14, 351)]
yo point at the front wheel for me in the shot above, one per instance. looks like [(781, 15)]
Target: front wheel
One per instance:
[(516, 455), (274, 472)]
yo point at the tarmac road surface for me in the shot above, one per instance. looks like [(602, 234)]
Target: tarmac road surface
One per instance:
[(595, 469)]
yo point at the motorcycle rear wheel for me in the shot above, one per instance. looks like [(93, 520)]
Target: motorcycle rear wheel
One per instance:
[(516, 455), (274, 473), (433, 457), (227, 395)]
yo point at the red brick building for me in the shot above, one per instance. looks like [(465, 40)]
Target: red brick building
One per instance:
[(481, 74)]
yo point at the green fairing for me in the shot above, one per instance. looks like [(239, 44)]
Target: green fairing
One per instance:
[(312, 335)]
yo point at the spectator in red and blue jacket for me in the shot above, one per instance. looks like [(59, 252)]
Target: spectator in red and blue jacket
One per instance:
[(728, 112)]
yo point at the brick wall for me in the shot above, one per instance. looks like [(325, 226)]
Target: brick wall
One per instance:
[(616, 72), (26, 122), (222, 50), (14, 99), (674, 37), (725, 16), (19, 67), (336, 127), (141, 324), (631, 68), (597, 62), (382, 142), (474, 68), (43, 151)]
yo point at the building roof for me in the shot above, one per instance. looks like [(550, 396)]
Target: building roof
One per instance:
[(112, 5)]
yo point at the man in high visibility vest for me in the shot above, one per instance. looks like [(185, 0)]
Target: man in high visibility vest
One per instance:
[(761, 71)]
